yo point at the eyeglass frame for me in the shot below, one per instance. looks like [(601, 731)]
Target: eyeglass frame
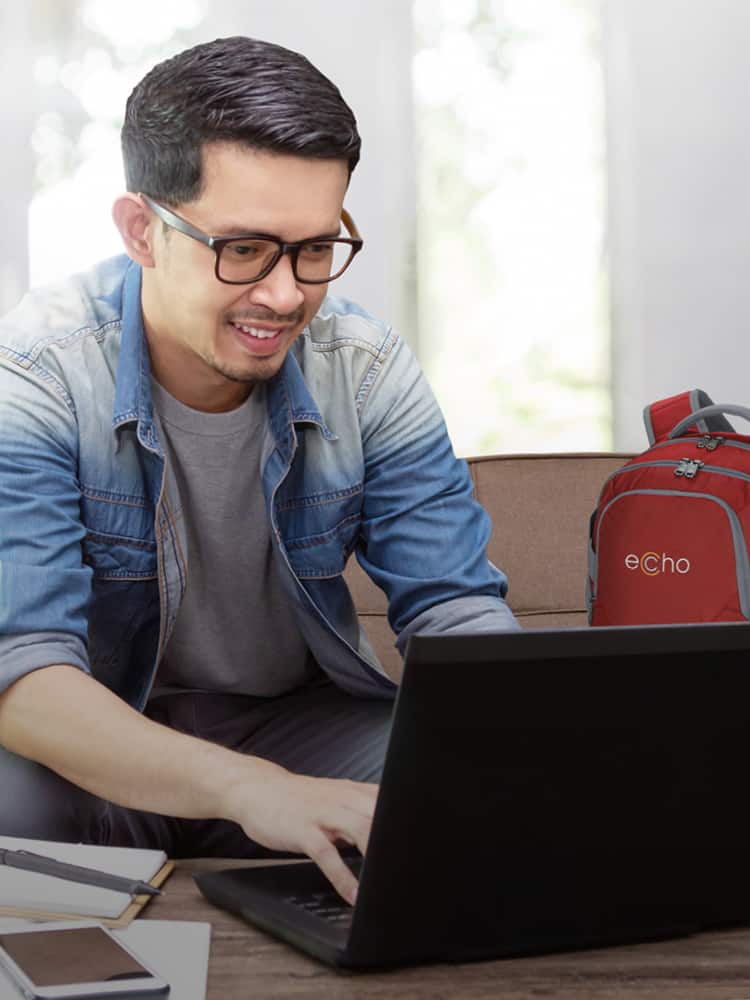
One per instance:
[(217, 243)]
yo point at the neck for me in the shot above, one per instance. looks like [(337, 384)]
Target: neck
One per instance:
[(211, 394)]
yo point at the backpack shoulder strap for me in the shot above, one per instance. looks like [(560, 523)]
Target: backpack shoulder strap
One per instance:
[(662, 416)]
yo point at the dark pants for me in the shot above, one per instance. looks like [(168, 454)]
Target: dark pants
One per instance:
[(318, 731)]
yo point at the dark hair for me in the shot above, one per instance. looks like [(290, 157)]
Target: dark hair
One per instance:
[(230, 90)]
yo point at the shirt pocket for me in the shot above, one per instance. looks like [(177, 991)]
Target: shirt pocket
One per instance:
[(119, 543), (124, 612), (113, 557), (320, 531)]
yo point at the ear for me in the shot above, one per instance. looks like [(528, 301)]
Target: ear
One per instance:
[(136, 225)]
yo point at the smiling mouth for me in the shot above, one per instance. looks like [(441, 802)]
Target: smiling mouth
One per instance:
[(255, 331)]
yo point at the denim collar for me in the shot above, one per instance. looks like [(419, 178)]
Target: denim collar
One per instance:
[(289, 398)]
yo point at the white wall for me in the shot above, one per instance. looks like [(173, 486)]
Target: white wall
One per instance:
[(17, 164), (678, 83)]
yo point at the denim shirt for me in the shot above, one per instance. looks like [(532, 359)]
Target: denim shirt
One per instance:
[(355, 458)]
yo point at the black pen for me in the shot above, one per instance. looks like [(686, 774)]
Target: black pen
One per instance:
[(43, 865)]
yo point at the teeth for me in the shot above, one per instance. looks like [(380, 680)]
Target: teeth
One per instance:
[(255, 332)]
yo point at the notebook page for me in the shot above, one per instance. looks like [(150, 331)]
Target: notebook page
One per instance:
[(177, 950), (31, 890)]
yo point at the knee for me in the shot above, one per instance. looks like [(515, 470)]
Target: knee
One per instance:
[(37, 803)]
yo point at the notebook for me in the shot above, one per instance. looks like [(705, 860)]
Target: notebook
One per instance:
[(27, 893), (542, 790)]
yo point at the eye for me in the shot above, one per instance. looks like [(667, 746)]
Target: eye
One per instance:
[(314, 251), (247, 249)]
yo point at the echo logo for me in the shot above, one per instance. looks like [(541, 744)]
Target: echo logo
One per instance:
[(655, 563)]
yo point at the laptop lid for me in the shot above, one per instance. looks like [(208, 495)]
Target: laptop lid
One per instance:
[(554, 789)]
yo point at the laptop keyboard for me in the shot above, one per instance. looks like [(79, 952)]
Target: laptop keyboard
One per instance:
[(329, 906)]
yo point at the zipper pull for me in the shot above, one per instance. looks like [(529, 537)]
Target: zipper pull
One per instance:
[(689, 467), (710, 443)]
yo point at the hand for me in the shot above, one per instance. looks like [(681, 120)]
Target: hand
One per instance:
[(292, 812)]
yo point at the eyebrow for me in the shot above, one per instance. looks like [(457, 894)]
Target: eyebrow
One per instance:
[(225, 231)]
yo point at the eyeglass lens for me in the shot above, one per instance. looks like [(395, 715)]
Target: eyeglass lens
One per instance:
[(243, 260)]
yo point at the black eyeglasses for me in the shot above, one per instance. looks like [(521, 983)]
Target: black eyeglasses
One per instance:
[(249, 257)]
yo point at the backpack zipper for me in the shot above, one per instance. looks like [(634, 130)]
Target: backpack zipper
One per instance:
[(706, 441), (689, 468), (684, 467), (710, 443)]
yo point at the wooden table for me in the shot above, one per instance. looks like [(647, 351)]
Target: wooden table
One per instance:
[(247, 964)]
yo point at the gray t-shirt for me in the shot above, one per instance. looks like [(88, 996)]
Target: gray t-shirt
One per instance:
[(235, 632)]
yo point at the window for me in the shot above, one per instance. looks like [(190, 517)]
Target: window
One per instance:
[(89, 55), (511, 178)]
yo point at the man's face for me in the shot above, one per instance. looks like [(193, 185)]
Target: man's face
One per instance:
[(210, 341)]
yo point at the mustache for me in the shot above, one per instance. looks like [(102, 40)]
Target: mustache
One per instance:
[(266, 316)]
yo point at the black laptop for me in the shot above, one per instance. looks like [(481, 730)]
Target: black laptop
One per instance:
[(542, 790)]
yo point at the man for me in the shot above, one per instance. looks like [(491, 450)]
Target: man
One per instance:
[(193, 439)]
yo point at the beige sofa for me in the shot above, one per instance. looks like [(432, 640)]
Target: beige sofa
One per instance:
[(540, 507)]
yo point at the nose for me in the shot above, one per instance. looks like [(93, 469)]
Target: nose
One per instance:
[(279, 290)]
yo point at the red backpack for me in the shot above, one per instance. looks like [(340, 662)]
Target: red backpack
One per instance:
[(668, 540)]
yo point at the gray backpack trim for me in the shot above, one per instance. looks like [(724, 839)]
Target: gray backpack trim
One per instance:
[(699, 400), (716, 422)]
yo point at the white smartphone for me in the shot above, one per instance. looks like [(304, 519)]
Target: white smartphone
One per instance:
[(76, 961)]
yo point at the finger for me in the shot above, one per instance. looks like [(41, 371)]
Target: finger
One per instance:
[(328, 859), (345, 823), (340, 838), (357, 833)]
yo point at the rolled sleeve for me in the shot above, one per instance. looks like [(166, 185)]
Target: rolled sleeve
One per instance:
[(463, 615), (22, 654), (44, 586)]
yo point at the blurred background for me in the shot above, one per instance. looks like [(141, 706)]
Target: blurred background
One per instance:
[(553, 193)]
